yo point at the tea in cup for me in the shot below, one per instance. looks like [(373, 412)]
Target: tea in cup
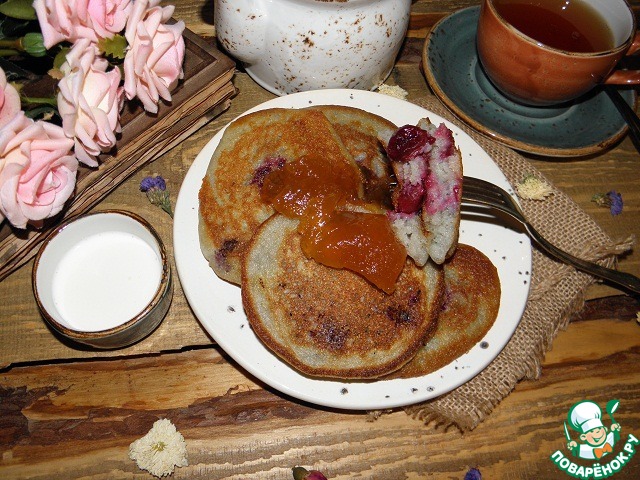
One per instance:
[(289, 46), (547, 52)]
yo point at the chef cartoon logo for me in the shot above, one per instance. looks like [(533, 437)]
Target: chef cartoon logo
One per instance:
[(596, 440), (593, 442)]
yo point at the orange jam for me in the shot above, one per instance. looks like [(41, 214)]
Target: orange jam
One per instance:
[(307, 181), (362, 242)]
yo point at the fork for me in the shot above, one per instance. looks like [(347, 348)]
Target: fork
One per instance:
[(477, 191)]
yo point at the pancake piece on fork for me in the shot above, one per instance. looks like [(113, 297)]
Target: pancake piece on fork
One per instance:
[(427, 199), (329, 322)]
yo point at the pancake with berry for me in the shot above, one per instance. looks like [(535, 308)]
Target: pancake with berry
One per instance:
[(230, 205), (332, 322), (365, 136), (344, 139), (470, 306), (427, 199)]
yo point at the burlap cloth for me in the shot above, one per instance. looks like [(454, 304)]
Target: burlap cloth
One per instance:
[(557, 291)]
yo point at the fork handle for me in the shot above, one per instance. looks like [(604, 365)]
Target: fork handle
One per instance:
[(622, 279)]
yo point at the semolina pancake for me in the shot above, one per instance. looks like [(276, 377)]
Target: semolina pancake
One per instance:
[(427, 199), (328, 322), (230, 207), (365, 136), (471, 302)]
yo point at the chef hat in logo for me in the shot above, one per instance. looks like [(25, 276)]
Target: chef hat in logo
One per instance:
[(585, 416)]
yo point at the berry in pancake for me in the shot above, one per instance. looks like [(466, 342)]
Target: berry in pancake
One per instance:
[(427, 198)]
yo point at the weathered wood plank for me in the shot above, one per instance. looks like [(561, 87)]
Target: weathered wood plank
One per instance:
[(74, 418), (91, 411)]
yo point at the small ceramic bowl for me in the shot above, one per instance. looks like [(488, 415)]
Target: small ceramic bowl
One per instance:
[(103, 279)]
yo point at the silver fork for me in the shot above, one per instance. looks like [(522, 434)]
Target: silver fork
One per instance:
[(481, 192)]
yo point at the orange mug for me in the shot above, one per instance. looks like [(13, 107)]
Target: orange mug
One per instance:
[(533, 73)]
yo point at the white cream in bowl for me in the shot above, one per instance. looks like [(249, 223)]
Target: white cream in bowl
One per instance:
[(105, 280), (102, 276)]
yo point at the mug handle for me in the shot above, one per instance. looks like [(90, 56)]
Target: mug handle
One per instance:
[(627, 77)]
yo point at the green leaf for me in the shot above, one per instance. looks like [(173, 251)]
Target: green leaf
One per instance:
[(51, 101), (43, 112), (114, 47), (60, 57), (21, 9), (13, 71), (12, 27)]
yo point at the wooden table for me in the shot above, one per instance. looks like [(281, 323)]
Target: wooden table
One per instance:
[(69, 414)]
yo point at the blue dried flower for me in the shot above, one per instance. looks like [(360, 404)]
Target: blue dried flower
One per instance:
[(616, 202), (473, 474), (156, 190), (611, 200), (149, 183)]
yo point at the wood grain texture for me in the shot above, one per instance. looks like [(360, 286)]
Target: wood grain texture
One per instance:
[(71, 414), (76, 420)]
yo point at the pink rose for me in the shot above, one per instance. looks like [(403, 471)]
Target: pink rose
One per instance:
[(9, 100), (75, 19), (153, 63), (89, 102), (37, 170), (108, 17)]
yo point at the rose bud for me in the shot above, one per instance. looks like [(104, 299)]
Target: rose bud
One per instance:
[(301, 473)]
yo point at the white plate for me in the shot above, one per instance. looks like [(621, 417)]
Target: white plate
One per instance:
[(218, 304)]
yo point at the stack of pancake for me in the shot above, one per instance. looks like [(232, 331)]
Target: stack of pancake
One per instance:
[(327, 321)]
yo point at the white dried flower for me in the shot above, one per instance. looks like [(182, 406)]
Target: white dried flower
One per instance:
[(393, 91), (532, 188), (160, 450)]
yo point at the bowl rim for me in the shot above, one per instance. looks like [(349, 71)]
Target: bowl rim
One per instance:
[(165, 279)]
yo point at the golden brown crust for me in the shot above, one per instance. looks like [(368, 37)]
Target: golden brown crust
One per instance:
[(471, 304), (365, 135), (329, 322), (230, 205)]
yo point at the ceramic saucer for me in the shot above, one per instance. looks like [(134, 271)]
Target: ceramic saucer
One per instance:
[(452, 69)]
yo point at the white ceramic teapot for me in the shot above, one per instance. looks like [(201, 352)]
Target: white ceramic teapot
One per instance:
[(289, 46)]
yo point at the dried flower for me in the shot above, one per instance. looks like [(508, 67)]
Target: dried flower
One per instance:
[(611, 200), (156, 190), (473, 474), (160, 450), (393, 91), (301, 473), (638, 317), (532, 188)]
